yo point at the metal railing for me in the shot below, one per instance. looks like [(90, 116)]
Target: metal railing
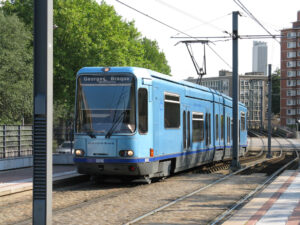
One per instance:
[(15, 141)]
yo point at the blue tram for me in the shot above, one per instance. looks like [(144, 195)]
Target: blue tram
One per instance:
[(136, 122)]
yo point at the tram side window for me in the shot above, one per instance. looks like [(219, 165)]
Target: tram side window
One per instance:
[(189, 129), (143, 110), (222, 127), (231, 128), (172, 111), (217, 127), (184, 130), (243, 121), (208, 128), (228, 129), (198, 127)]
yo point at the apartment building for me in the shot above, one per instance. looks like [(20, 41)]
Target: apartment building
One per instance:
[(290, 74), (252, 92)]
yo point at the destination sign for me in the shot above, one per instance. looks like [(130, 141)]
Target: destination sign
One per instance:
[(113, 79)]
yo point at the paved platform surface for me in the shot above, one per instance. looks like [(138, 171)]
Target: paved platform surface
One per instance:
[(278, 204), (12, 181)]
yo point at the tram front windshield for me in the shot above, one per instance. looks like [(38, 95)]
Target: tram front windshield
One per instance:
[(105, 104)]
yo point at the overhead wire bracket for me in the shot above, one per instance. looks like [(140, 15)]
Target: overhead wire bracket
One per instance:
[(201, 71)]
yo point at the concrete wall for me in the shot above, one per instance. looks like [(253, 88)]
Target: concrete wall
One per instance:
[(21, 162)]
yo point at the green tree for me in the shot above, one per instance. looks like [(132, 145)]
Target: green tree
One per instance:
[(153, 58), (16, 72), (276, 92), (90, 34)]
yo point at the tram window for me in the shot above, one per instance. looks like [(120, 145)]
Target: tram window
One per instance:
[(207, 129), (217, 127), (243, 121), (172, 111), (231, 128), (143, 110), (184, 130), (222, 127), (198, 127), (228, 129), (189, 130)]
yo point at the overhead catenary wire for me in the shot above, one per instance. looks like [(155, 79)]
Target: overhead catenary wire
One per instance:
[(255, 36), (170, 27), (190, 15), (207, 23), (247, 11)]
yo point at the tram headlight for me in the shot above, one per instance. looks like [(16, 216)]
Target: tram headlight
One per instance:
[(126, 153), (130, 153), (79, 152)]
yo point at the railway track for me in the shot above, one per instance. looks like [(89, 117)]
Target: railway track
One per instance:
[(129, 200), (245, 170)]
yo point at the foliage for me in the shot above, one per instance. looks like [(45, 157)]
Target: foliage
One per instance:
[(16, 72), (22, 8), (153, 59), (276, 92), (89, 34)]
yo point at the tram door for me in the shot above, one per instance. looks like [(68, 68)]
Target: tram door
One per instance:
[(186, 129)]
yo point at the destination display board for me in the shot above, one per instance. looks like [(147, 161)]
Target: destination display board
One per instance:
[(95, 80)]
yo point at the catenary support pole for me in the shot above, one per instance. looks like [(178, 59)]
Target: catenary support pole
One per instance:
[(235, 164), (43, 95), (269, 155)]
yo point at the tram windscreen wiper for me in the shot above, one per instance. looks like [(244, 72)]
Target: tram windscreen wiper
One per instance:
[(91, 133), (115, 124)]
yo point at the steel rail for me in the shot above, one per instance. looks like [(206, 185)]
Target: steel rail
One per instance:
[(244, 199), (191, 194), (263, 143), (281, 147)]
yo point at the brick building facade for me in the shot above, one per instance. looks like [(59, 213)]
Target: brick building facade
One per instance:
[(290, 74)]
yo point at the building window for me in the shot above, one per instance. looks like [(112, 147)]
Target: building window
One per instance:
[(291, 64), (143, 110), (298, 111), (299, 44), (298, 63), (298, 34), (291, 44), (291, 55), (291, 34), (298, 91), (291, 83), (291, 102), (290, 121), (298, 82), (291, 73), (172, 111), (298, 101), (298, 53), (198, 127), (291, 112), (291, 93), (298, 73)]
